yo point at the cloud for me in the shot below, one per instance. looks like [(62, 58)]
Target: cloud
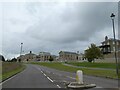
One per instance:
[(51, 26), (72, 23)]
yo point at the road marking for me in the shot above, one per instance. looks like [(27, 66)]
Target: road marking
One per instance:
[(41, 71), (44, 74), (58, 86), (49, 79), (98, 87)]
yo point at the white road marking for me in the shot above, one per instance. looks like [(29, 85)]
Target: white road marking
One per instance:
[(50, 79), (44, 74), (58, 86), (41, 71), (98, 87)]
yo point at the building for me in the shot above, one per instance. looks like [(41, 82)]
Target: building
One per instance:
[(81, 56), (108, 49), (68, 56), (20, 58), (27, 57), (30, 56), (43, 56), (108, 46)]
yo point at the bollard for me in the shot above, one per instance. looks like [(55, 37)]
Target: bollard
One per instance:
[(79, 82), (79, 77)]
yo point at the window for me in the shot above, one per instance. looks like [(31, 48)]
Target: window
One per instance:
[(113, 42), (113, 48), (117, 43)]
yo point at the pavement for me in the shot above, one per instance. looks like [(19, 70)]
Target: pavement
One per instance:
[(90, 67), (35, 76)]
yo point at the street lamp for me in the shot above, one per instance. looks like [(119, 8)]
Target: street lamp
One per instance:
[(21, 49), (113, 17)]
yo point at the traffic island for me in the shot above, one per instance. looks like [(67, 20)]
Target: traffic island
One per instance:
[(76, 85), (79, 82)]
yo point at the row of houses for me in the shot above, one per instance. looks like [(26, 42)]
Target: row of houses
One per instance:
[(45, 56), (107, 48)]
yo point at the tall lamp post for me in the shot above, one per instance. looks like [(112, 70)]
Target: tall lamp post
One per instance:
[(21, 49), (112, 17)]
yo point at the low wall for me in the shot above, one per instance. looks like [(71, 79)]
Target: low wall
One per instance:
[(106, 60)]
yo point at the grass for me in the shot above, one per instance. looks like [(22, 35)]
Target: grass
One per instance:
[(60, 66), (93, 65), (11, 68)]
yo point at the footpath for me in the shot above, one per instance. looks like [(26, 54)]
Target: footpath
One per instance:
[(89, 67)]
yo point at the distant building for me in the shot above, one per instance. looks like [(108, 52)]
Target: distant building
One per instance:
[(80, 56), (43, 56), (68, 56), (20, 58), (27, 57), (30, 56)]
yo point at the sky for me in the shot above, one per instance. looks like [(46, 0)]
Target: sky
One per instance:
[(54, 26)]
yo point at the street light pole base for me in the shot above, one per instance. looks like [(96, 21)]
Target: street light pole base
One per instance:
[(76, 85)]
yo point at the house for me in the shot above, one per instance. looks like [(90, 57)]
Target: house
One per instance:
[(30, 56), (27, 57), (20, 58), (43, 56), (108, 49), (68, 56), (108, 46)]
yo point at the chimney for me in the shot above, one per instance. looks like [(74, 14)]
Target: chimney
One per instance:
[(106, 38), (77, 52)]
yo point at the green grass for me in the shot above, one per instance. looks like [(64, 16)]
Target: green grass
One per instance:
[(93, 65), (60, 66), (11, 68)]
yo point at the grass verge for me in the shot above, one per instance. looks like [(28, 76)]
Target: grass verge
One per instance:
[(11, 68), (60, 66)]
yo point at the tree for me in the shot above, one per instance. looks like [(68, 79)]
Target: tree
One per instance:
[(92, 53), (19, 60), (3, 59), (14, 60), (51, 58)]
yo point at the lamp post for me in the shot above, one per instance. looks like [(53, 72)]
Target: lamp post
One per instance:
[(21, 49), (112, 17)]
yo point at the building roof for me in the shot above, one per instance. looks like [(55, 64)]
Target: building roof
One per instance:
[(111, 39), (44, 53), (67, 52), (30, 54)]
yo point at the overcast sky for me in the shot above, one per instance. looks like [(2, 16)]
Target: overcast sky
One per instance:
[(54, 26)]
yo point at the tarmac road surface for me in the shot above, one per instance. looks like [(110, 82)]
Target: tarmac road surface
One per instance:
[(35, 76)]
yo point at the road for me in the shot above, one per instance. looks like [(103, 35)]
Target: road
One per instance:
[(35, 76)]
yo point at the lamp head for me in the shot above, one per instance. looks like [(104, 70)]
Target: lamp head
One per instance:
[(112, 16)]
